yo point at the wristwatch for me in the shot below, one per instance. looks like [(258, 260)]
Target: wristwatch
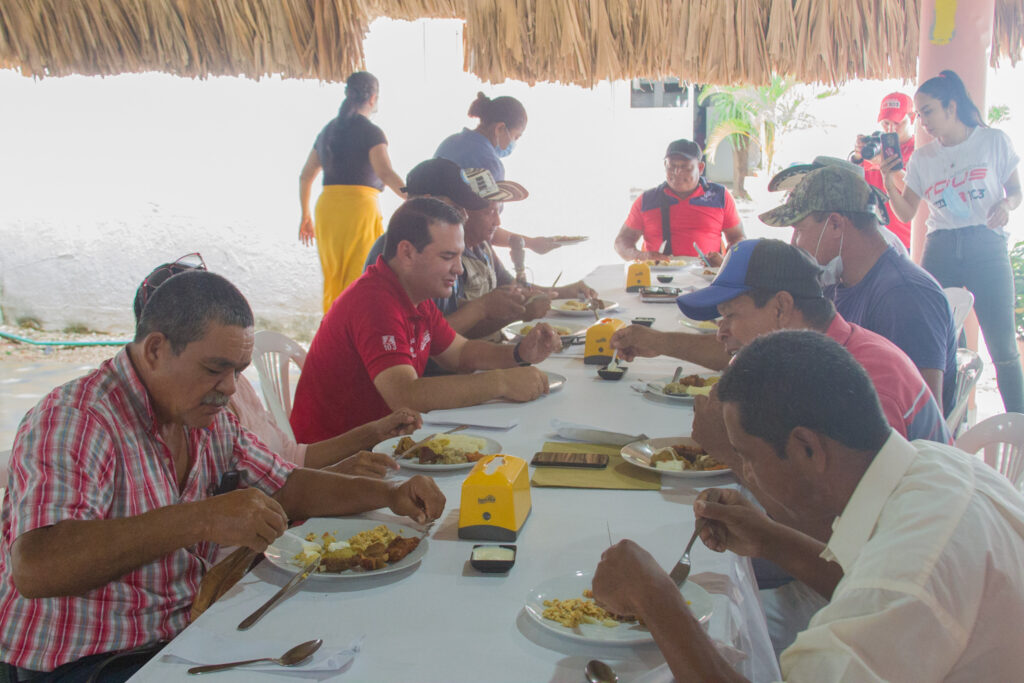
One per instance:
[(517, 358)]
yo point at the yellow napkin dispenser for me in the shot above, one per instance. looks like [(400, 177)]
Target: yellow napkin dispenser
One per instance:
[(495, 499), (598, 349), (638, 275)]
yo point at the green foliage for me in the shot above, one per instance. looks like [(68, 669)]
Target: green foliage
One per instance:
[(761, 114), (1017, 264), (998, 113)]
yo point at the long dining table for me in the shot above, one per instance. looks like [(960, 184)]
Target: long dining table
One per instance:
[(441, 620)]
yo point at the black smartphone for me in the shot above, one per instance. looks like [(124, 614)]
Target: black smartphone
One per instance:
[(555, 459), (891, 148)]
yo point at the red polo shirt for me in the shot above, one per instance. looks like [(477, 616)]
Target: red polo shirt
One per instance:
[(701, 217), (371, 327), (873, 176)]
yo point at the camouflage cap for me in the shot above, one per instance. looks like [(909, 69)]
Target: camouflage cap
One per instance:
[(832, 188)]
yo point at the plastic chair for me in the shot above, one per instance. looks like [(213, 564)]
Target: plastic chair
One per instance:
[(968, 370), (1001, 437), (961, 301), (273, 353)]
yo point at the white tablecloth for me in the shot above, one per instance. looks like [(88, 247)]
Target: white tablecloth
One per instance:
[(442, 621)]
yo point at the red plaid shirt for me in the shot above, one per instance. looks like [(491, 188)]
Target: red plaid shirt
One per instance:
[(90, 450)]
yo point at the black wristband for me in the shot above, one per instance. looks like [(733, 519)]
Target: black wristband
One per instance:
[(516, 357)]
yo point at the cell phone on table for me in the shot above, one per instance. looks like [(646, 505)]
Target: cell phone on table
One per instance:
[(891, 147), (558, 459)]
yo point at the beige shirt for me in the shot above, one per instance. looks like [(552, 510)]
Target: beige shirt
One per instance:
[(932, 547)]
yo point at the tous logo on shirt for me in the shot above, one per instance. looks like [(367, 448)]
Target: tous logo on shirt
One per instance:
[(389, 342), (425, 341)]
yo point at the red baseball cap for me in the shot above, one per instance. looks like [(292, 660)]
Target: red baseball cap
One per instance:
[(895, 106)]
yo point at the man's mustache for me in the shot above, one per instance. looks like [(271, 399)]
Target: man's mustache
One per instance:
[(215, 398)]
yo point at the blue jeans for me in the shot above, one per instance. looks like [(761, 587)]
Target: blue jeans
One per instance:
[(975, 257)]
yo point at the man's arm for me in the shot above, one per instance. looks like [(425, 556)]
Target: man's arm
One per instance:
[(309, 172), (316, 493), (95, 552), (734, 234), (639, 340), (933, 378), (625, 246)]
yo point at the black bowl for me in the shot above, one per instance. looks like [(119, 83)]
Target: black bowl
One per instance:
[(665, 278)]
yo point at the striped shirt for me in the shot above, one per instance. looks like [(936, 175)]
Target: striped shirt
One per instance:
[(90, 450)]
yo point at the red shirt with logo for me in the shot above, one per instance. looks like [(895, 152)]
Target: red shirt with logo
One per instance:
[(873, 176), (701, 217), (371, 327)]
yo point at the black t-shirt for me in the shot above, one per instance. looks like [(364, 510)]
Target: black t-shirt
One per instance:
[(344, 150)]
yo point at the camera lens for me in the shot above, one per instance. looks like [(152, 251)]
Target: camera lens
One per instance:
[(869, 150)]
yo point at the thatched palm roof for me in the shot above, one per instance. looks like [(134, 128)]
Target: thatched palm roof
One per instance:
[(570, 41)]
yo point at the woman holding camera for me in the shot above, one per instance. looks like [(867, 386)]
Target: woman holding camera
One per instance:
[(353, 154), (968, 177)]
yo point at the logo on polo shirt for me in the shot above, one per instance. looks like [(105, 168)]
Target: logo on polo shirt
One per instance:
[(425, 341), (389, 342)]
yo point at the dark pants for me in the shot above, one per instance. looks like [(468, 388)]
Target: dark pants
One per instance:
[(975, 257), (105, 667)]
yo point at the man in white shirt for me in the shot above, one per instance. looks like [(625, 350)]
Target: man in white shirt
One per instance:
[(923, 567)]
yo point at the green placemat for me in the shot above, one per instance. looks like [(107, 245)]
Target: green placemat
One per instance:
[(619, 474)]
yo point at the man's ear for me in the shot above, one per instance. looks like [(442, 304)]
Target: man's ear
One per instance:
[(806, 446), (154, 347), (783, 304)]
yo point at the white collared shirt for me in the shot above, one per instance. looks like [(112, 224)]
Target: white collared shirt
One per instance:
[(932, 547)]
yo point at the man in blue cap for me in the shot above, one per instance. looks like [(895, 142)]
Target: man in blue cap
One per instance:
[(767, 285)]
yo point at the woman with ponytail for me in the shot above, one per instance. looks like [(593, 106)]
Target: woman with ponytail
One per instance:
[(353, 154), (968, 177)]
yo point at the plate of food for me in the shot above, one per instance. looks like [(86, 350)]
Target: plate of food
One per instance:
[(674, 456), (567, 331), (564, 605), (685, 388), (442, 453), (702, 326), (350, 547), (670, 263), (707, 273), (579, 307), (562, 240)]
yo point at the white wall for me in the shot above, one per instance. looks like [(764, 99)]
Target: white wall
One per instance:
[(102, 179)]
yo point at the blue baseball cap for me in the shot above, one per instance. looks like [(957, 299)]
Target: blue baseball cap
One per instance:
[(755, 264)]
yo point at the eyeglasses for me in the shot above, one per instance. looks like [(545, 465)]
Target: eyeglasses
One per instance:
[(193, 261)]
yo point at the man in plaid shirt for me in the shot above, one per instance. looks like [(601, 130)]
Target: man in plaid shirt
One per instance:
[(109, 522)]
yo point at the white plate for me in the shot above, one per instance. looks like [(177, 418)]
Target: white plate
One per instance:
[(675, 264), (555, 381), (515, 330), (557, 304), (635, 454), (657, 387), (387, 446), (708, 274), (573, 585), (283, 551), (699, 325), (569, 239)]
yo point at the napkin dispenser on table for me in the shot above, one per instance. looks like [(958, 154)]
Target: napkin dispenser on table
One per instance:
[(638, 275), (598, 349), (495, 499)]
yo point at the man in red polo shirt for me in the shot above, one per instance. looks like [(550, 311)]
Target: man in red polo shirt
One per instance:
[(896, 115), (373, 345), (683, 210)]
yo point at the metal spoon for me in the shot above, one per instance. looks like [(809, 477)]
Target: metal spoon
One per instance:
[(597, 671), (296, 655)]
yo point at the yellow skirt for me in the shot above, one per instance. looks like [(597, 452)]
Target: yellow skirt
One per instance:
[(347, 222)]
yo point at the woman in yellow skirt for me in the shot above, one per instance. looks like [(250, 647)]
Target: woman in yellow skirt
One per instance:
[(353, 154)]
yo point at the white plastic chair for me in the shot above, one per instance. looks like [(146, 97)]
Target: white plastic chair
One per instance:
[(1001, 437), (962, 302), (968, 370), (273, 353)]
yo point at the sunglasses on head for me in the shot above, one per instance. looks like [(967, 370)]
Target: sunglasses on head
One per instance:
[(193, 261)]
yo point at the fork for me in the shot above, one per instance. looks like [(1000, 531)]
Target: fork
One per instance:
[(682, 568)]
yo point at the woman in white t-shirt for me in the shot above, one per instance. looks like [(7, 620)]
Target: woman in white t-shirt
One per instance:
[(968, 177)]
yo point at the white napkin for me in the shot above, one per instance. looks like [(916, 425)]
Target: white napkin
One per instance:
[(197, 645), (489, 415), (579, 432)]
